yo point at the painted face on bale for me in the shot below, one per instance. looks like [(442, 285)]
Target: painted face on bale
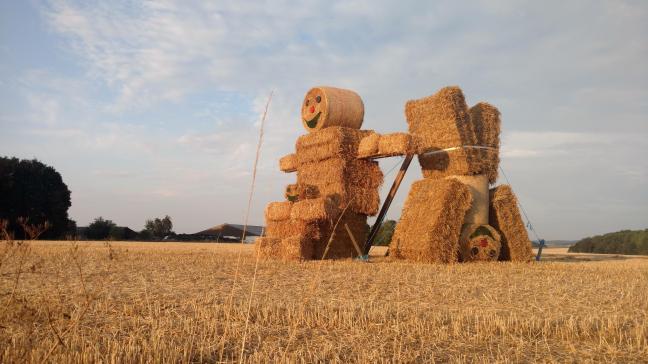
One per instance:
[(292, 193), (483, 244), (329, 106), (314, 106)]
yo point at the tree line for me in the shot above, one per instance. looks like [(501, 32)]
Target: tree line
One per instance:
[(629, 242)]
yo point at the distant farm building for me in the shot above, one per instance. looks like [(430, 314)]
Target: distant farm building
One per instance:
[(229, 232)]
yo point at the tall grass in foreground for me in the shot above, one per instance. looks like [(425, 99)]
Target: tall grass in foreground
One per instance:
[(126, 302)]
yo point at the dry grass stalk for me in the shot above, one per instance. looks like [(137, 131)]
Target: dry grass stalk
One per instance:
[(505, 217), (176, 308)]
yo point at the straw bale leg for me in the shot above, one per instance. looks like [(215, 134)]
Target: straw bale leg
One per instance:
[(505, 217)]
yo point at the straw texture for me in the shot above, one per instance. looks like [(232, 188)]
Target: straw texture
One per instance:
[(486, 121), (314, 209), (505, 217), (278, 211), (462, 161), (395, 144), (325, 107), (440, 121), (341, 245), (333, 142), (369, 146), (288, 163), (431, 221)]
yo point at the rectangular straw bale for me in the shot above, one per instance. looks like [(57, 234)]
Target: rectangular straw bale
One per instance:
[(430, 224), (341, 245), (360, 200), (267, 248), (463, 161), (293, 227), (395, 144), (361, 173), (369, 146), (276, 211), (505, 217), (440, 121), (288, 163), (296, 248), (328, 143), (486, 122), (314, 209)]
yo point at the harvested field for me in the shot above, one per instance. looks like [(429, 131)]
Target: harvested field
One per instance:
[(171, 302)]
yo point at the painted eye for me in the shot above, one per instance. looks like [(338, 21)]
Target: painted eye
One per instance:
[(318, 99), (491, 253), (474, 251), (306, 102)]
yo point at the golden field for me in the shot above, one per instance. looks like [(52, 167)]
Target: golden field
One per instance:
[(172, 302)]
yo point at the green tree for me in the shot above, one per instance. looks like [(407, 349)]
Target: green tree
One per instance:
[(33, 190), (385, 233), (620, 242), (100, 229), (159, 228)]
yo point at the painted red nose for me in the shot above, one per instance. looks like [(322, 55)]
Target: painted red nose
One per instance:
[(312, 109), (483, 243)]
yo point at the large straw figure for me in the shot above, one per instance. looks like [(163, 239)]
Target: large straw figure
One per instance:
[(325, 212), (450, 215)]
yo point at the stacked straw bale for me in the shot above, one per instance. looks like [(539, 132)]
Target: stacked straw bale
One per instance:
[(341, 244), (505, 217), (440, 121), (431, 221), (333, 142)]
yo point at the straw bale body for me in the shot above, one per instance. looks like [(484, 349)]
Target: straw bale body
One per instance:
[(277, 211), (431, 221), (440, 121), (478, 187), (334, 142), (321, 208), (505, 217), (324, 107), (486, 123)]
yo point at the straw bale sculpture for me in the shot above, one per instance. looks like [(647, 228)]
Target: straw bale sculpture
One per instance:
[(451, 215), (325, 212)]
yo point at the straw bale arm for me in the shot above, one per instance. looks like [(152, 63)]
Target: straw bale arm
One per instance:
[(376, 146), (288, 163)]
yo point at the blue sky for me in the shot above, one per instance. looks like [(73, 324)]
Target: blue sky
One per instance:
[(152, 108)]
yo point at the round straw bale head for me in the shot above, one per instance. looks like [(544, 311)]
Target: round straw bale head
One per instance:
[(479, 243), (329, 106)]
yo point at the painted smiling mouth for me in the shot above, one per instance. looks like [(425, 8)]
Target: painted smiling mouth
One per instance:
[(313, 122)]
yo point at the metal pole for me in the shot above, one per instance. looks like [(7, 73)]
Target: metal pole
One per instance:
[(385, 206), (542, 244)]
